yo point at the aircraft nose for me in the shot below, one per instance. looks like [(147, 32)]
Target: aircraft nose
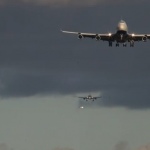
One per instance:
[(121, 27)]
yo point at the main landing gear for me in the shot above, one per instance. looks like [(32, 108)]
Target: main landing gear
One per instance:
[(110, 44), (131, 43), (124, 44), (117, 44)]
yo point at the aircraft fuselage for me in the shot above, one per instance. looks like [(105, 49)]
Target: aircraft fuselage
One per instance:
[(121, 35)]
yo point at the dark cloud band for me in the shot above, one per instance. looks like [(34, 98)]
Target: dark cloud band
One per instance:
[(36, 58)]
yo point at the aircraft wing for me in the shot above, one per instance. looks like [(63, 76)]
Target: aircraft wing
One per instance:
[(104, 37), (82, 97), (97, 97), (139, 37)]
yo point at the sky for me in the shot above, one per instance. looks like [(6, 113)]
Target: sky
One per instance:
[(43, 70)]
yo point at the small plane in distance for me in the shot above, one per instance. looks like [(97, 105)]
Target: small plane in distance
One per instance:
[(120, 36), (89, 97)]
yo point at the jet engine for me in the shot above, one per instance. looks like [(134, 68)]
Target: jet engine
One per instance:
[(144, 38), (80, 36), (97, 37)]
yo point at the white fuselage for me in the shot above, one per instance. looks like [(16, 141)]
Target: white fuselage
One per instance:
[(121, 35), (122, 26)]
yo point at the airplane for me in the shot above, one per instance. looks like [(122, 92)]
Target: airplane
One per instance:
[(120, 36), (89, 97)]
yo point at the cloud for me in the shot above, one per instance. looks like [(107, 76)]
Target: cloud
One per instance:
[(3, 146), (52, 2), (61, 2), (62, 148), (122, 145), (147, 147), (36, 58)]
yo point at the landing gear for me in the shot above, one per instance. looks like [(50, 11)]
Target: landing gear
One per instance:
[(124, 44), (110, 44), (131, 43), (117, 44)]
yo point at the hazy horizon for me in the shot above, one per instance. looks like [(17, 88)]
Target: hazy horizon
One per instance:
[(42, 70)]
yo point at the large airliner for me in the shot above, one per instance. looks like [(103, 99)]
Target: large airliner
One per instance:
[(89, 97), (121, 36)]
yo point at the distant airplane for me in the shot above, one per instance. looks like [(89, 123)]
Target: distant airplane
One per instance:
[(89, 97), (120, 36)]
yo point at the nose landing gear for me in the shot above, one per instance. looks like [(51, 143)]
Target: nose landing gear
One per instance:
[(124, 44), (110, 44)]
